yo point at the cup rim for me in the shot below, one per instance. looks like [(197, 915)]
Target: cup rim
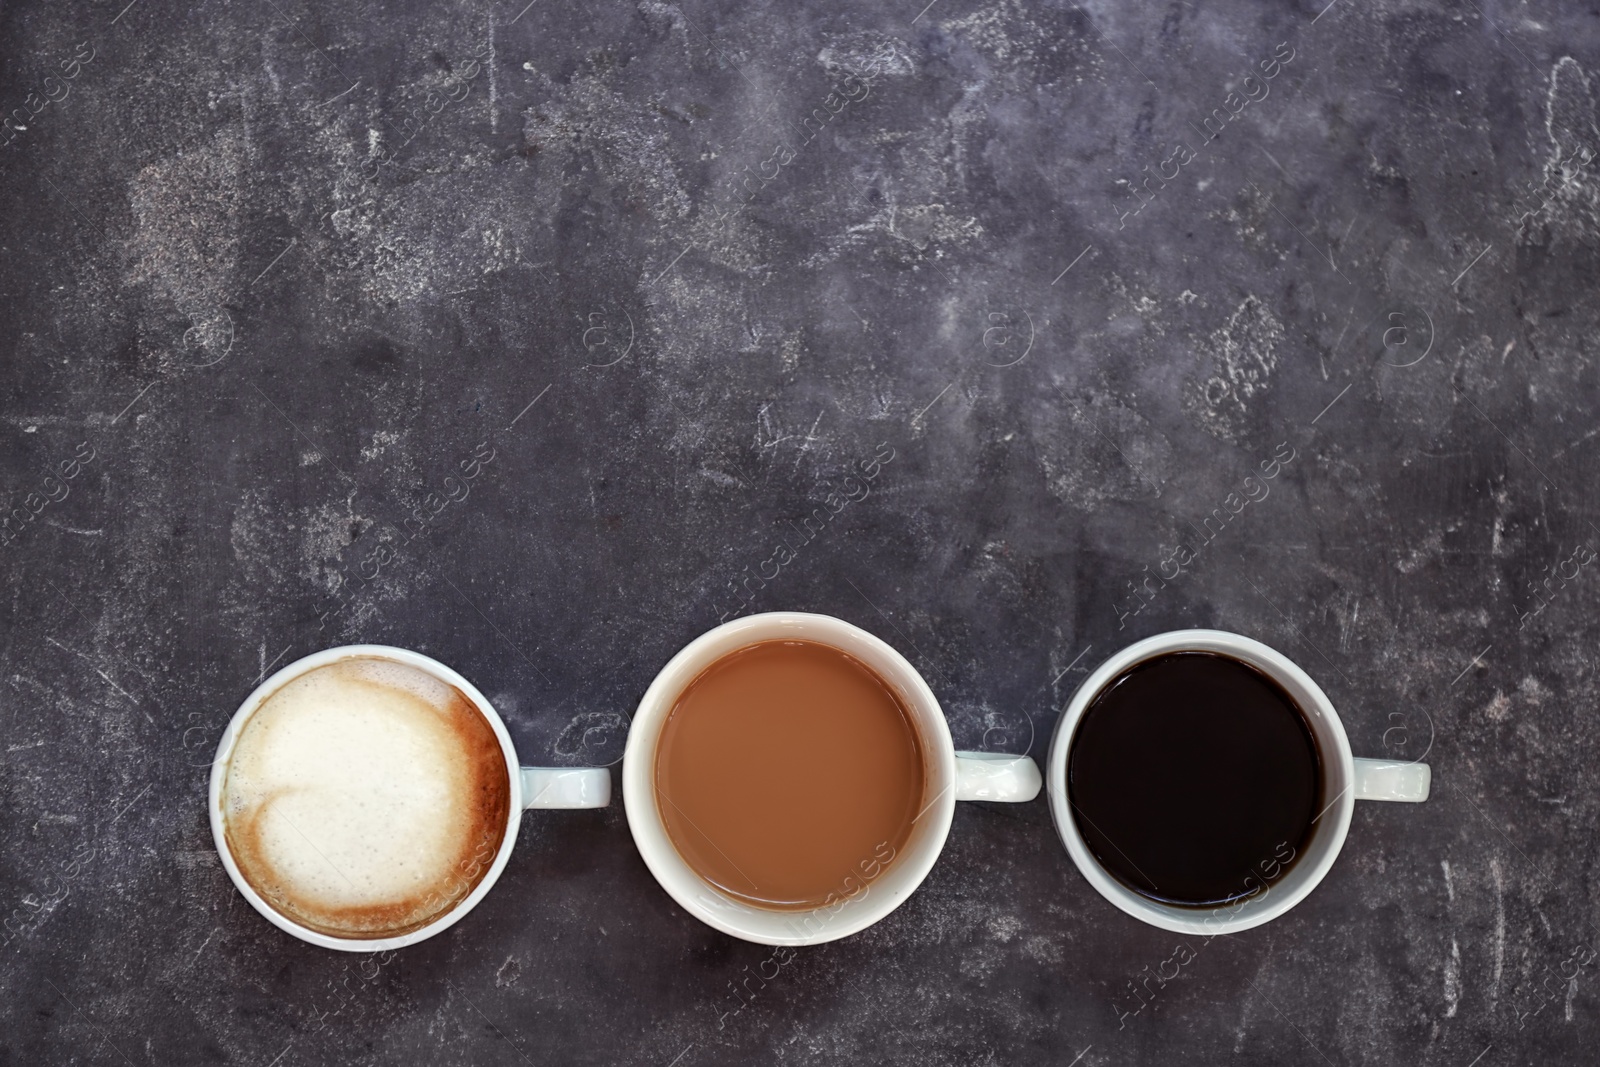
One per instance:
[(674, 874), (291, 671), (1335, 817)]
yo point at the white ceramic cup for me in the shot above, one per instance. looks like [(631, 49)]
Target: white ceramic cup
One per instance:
[(878, 888), (531, 787), (1345, 780)]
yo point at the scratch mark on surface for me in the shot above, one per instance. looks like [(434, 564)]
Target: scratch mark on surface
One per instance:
[(1504, 34), (347, 92), (516, 648), (1474, 263), (292, 242), (1113, 444), (100, 672), (674, 263), (1332, 402), (1452, 980), (485, 1018), (1286, 174), (1063, 274), (1348, 315), (1499, 928), (131, 803), (932, 402), (273, 664), (887, 619), (1285, 1018), (203, 945), (1502, 433), (1576, 443), (532, 402), (1058, 678), (132, 402), (69, 1000), (1120, 52), (805, 443), (1515, 847), (316, 447), (1328, 255), (1473, 664), (494, 87)]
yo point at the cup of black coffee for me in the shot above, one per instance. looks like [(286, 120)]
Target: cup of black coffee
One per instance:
[(1202, 782)]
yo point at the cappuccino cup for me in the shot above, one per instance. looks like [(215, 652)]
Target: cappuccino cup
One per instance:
[(735, 704), (365, 798), (1205, 733)]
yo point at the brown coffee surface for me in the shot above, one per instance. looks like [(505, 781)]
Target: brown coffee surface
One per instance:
[(786, 768), (365, 799)]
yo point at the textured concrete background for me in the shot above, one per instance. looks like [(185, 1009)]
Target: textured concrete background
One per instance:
[(269, 273)]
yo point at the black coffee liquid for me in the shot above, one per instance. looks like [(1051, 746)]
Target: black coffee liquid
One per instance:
[(1194, 778)]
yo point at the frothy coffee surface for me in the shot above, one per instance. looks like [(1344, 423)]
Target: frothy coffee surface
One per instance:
[(366, 798)]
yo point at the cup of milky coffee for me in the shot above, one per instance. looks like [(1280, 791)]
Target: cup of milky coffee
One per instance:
[(365, 798), (1202, 782), (790, 778)]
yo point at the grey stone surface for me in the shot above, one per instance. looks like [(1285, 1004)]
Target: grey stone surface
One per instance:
[(269, 272)]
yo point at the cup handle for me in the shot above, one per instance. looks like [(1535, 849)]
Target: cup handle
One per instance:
[(566, 787), (994, 776), (1381, 779)]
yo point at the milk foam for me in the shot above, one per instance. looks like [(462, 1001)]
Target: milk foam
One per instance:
[(354, 793)]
